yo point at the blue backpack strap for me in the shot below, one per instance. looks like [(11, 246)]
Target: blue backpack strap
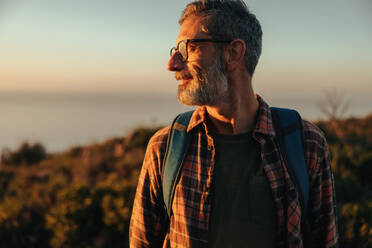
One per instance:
[(177, 144), (288, 127)]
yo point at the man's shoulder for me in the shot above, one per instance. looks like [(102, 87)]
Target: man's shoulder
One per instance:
[(315, 142), (315, 148), (159, 140), (155, 151), (312, 133)]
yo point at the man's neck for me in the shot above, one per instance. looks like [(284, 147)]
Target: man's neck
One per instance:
[(237, 113)]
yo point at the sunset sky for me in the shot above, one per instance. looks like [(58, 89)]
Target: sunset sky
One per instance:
[(70, 45)]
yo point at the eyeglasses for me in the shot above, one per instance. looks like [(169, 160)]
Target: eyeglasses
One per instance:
[(182, 46)]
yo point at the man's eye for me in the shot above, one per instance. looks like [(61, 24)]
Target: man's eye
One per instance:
[(192, 48)]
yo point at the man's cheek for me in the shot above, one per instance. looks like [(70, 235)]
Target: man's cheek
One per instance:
[(197, 73)]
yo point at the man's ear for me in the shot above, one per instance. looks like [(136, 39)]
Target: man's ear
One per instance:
[(234, 54)]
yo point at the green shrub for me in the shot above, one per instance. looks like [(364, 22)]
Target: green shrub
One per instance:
[(25, 154)]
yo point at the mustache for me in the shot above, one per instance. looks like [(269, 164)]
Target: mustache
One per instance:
[(182, 75)]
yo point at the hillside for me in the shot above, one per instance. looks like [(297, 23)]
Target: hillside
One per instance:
[(83, 197)]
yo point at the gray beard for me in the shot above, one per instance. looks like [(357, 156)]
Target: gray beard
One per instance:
[(206, 88)]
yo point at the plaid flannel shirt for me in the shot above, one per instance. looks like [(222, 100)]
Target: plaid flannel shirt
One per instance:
[(191, 209)]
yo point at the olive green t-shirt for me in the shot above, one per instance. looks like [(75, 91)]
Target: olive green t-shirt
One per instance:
[(243, 212)]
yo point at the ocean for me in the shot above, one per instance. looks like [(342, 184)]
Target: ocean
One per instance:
[(62, 120)]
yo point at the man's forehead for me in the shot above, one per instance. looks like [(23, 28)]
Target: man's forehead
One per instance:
[(192, 28)]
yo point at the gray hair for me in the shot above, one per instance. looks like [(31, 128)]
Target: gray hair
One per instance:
[(229, 19)]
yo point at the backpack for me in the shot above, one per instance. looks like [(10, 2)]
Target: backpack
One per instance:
[(288, 128)]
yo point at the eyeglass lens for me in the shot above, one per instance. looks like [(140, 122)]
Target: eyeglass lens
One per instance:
[(182, 49)]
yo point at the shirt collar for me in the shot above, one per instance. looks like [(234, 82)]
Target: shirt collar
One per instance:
[(264, 124)]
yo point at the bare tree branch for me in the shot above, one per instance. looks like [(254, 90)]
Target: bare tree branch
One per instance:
[(334, 105)]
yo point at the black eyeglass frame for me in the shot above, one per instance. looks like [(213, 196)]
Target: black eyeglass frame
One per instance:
[(187, 41)]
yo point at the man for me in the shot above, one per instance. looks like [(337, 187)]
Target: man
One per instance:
[(234, 190)]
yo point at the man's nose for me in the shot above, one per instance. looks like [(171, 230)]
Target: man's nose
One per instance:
[(175, 63)]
